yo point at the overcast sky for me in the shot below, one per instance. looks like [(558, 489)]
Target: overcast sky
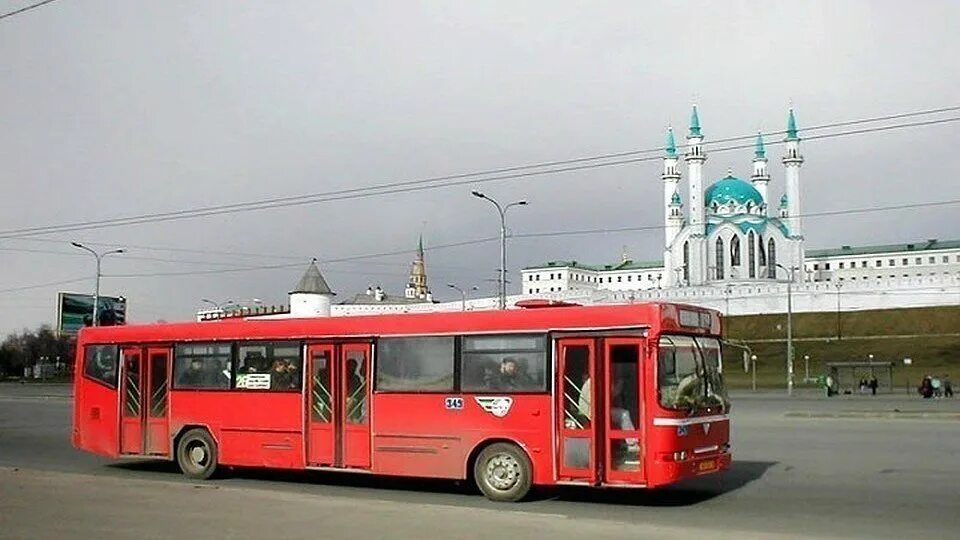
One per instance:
[(112, 108)]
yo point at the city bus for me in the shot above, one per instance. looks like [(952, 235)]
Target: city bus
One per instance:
[(628, 396)]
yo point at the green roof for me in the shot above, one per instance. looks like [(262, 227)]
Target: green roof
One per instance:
[(792, 127), (671, 145), (695, 123), (625, 265), (759, 151), (927, 245), (732, 188)]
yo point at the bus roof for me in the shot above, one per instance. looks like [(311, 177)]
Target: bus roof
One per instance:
[(565, 318)]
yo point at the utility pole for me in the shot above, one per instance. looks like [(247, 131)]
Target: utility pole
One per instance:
[(789, 328), (838, 284)]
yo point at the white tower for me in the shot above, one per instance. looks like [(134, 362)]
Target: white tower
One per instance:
[(312, 296), (671, 183), (760, 178), (792, 161), (694, 251), (695, 158)]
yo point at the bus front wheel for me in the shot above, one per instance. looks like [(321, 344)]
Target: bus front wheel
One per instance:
[(197, 454), (503, 472)]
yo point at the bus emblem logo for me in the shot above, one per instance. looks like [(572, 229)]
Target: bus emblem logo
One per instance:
[(497, 406), (706, 428)]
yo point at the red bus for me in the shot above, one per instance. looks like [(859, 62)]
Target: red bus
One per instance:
[(614, 396)]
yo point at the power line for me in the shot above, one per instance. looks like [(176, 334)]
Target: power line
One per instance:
[(302, 258), (549, 234), (27, 8), (421, 184), (42, 285), (865, 210)]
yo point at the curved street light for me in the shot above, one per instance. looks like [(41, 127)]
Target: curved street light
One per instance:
[(96, 290), (502, 210), (463, 294)]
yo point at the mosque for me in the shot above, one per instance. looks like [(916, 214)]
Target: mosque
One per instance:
[(733, 244)]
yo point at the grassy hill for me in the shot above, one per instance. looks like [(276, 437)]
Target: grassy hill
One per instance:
[(929, 336)]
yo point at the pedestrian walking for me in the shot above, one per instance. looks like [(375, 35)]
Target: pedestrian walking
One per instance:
[(947, 386)]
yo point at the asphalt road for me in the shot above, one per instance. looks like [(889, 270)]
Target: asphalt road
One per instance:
[(792, 477)]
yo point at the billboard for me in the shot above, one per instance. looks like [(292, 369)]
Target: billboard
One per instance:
[(74, 311)]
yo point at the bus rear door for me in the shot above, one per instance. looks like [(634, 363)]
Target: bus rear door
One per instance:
[(338, 405)]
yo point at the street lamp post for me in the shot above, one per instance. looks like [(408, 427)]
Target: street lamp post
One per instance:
[(838, 284), (502, 210), (789, 328), (96, 290), (806, 367), (753, 366), (463, 295)]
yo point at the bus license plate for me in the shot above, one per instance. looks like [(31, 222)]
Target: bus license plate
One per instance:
[(707, 465)]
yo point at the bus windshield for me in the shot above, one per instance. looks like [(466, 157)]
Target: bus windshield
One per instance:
[(689, 373)]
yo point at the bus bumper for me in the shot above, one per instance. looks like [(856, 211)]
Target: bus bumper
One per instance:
[(670, 471)]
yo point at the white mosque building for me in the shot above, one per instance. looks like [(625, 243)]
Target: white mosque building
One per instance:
[(728, 247)]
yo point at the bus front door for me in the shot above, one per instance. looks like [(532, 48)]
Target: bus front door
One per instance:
[(338, 405), (144, 423), (623, 442), (599, 391)]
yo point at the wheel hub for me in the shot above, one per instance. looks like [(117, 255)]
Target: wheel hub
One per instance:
[(503, 472), (198, 455)]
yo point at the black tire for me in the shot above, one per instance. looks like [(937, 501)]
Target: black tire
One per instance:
[(197, 454), (503, 472)]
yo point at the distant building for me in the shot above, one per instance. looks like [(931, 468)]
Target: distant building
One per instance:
[(416, 292)]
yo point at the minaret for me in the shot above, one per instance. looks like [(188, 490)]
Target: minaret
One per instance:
[(671, 182), (417, 285), (674, 216), (792, 161), (760, 178), (695, 158)]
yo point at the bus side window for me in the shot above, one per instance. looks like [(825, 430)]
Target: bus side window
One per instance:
[(100, 363)]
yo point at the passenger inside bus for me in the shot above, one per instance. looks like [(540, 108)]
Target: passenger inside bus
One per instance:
[(193, 376), (356, 393), (283, 375), (512, 376), (620, 417)]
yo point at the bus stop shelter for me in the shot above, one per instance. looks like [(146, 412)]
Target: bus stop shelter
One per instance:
[(848, 374)]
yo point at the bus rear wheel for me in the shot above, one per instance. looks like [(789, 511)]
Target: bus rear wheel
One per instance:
[(503, 472), (197, 454)]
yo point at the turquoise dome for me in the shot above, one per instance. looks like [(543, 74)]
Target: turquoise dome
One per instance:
[(731, 188)]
